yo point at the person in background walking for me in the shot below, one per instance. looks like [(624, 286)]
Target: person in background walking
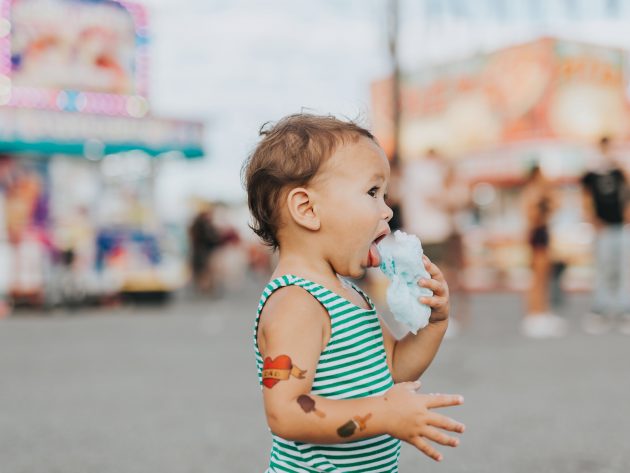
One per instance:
[(456, 203), (605, 191), (432, 199), (204, 240), (539, 203)]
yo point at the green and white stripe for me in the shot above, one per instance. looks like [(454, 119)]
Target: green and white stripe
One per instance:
[(353, 365)]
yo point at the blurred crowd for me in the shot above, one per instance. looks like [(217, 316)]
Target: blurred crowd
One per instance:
[(438, 206), (501, 169), (433, 200), (223, 252), (432, 197)]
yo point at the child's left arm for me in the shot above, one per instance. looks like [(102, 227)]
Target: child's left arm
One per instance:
[(410, 356)]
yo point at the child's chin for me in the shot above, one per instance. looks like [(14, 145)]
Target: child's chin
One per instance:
[(352, 269), (358, 273)]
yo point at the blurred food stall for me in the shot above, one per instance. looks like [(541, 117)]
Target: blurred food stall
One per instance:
[(495, 116), (80, 152)]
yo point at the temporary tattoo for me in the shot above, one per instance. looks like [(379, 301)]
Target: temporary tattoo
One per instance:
[(307, 404), (347, 429), (279, 369)]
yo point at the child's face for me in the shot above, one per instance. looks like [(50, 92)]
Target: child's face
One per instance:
[(350, 190)]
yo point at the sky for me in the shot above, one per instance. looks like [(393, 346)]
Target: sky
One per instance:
[(237, 64)]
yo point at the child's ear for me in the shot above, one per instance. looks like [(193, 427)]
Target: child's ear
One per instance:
[(302, 208)]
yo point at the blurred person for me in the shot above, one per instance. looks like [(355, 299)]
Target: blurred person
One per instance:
[(229, 258), (539, 203), (26, 210), (425, 212), (432, 199), (605, 202), (456, 201), (5, 263), (259, 260), (74, 252), (558, 268), (204, 240), (331, 372)]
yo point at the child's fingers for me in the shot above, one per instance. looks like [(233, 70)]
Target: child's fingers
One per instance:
[(434, 301), (440, 437), (443, 400), (432, 268), (438, 287), (425, 448), (445, 423)]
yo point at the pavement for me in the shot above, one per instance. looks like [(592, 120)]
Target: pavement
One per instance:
[(157, 389)]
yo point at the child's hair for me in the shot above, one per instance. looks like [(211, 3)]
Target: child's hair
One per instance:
[(290, 154)]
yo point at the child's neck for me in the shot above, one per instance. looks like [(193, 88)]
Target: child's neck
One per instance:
[(318, 271)]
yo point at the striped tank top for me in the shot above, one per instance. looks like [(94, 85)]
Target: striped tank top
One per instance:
[(353, 365)]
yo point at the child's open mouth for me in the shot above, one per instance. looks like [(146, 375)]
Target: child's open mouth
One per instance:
[(374, 257)]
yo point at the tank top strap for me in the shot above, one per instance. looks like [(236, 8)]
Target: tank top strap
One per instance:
[(319, 292), (328, 299), (363, 294)]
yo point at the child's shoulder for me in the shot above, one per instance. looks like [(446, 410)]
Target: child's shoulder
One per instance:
[(291, 302), (291, 312)]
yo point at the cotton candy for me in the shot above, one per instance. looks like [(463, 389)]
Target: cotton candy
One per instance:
[(401, 261)]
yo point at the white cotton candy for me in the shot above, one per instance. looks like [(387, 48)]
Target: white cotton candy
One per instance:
[(401, 261)]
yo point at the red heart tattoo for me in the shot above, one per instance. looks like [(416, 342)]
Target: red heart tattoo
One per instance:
[(279, 369)]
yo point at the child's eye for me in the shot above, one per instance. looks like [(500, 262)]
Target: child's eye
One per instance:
[(373, 191)]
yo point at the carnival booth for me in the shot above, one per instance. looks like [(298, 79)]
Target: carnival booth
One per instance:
[(547, 102), (79, 154)]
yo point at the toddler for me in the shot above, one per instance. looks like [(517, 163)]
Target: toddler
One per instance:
[(340, 391)]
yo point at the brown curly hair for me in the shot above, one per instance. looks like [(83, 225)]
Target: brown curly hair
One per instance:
[(290, 155)]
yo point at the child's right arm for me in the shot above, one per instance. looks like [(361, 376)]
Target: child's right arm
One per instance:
[(294, 328)]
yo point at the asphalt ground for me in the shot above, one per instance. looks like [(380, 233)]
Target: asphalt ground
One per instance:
[(172, 388)]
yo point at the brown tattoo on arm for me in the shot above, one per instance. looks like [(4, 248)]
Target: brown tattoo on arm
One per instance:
[(307, 404), (350, 427), (279, 369)]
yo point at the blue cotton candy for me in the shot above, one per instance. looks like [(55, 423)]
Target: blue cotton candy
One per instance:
[(401, 261)]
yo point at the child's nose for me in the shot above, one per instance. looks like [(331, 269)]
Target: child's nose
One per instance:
[(389, 213)]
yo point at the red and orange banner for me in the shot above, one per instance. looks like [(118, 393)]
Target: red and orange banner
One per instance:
[(544, 89)]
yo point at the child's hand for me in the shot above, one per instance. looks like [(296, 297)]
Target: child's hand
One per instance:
[(412, 420), (440, 301)]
